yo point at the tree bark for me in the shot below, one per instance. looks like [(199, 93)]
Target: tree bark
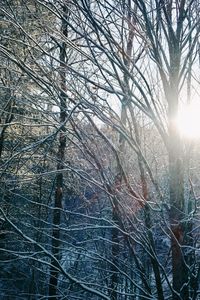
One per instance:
[(176, 181), (54, 273)]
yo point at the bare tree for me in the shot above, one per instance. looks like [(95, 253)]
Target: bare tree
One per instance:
[(113, 212)]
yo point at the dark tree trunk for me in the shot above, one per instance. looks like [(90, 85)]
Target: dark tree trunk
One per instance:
[(177, 224), (56, 243), (176, 184)]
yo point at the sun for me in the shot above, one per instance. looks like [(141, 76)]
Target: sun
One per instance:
[(188, 121)]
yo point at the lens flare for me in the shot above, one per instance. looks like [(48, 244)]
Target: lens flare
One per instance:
[(188, 121)]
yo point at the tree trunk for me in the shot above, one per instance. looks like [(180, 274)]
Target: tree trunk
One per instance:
[(176, 184), (54, 273)]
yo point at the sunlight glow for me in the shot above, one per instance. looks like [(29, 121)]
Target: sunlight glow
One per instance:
[(188, 121)]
